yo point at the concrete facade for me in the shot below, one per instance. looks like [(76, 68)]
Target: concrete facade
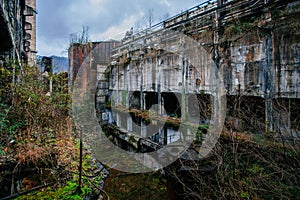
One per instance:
[(254, 49), (18, 31), (30, 13)]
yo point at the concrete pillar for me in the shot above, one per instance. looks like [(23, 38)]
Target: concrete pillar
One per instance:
[(220, 3), (269, 78), (165, 136), (183, 72), (159, 102), (144, 101), (129, 123), (141, 87), (127, 76)]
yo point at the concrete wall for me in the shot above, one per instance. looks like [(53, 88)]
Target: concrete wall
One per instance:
[(30, 13), (254, 50), (15, 18)]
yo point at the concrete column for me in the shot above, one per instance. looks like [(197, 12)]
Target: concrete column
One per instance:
[(183, 72), (269, 86), (141, 87), (127, 76), (165, 136), (117, 102), (144, 101), (129, 124), (159, 102)]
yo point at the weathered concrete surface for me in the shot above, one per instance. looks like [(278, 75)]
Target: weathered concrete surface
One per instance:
[(18, 30), (247, 51), (254, 46), (256, 51), (85, 59), (29, 16)]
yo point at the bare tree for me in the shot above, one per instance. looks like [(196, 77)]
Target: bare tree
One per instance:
[(138, 27), (82, 37), (165, 16), (149, 18), (147, 21)]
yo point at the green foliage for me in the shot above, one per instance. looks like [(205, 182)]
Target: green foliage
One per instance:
[(202, 129), (37, 121), (7, 75), (255, 169), (30, 115), (33, 99), (124, 94), (107, 72), (69, 189), (8, 126), (137, 186), (4, 122), (132, 139), (245, 195), (64, 193)]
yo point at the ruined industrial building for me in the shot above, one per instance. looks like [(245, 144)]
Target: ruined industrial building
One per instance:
[(244, 52), (206, 101), (227, 66)]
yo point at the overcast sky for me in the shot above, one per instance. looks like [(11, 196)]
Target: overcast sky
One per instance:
[(106, 19)]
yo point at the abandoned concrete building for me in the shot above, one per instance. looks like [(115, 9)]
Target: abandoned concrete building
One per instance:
[(254, 46), (246, 52), (228, 68), (18, 31)]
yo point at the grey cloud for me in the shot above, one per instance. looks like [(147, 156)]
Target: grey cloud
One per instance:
[(58, 18)]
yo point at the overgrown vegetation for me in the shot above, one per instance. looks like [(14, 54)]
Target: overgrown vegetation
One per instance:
[(37, 135), (36, 120), (123, 186), (69, 188), (239, 169)]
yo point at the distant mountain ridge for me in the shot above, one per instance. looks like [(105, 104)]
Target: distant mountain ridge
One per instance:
[(59, 64)]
